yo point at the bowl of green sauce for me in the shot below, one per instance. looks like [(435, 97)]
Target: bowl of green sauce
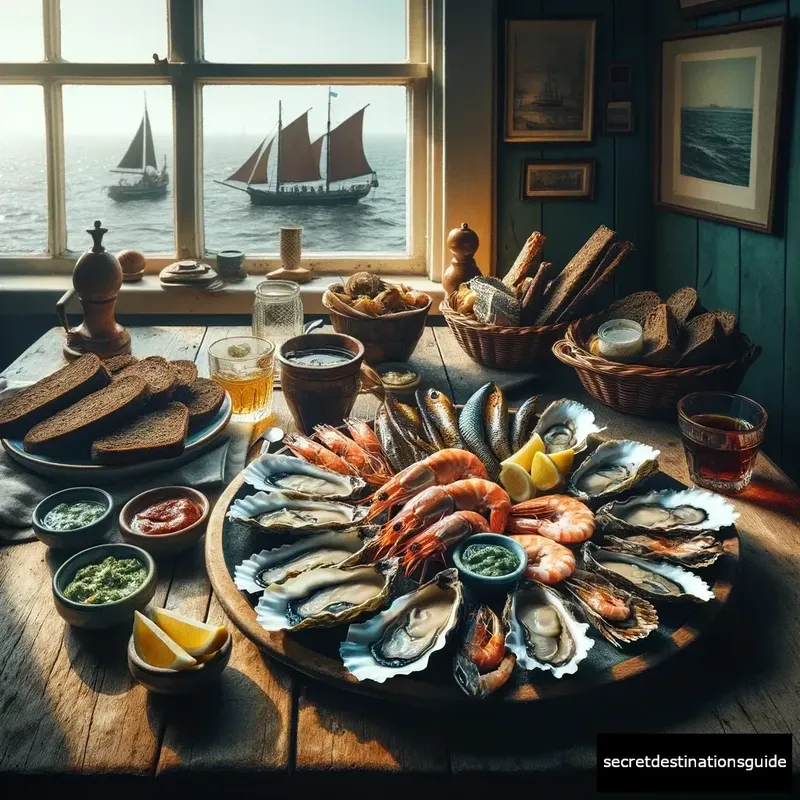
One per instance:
[(73, 519), (490, 561), (101, 587)]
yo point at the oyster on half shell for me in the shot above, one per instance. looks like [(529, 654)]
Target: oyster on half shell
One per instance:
[(615, 466), (296, 478), (566, 424)]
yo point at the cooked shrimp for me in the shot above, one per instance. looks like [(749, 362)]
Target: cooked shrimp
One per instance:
[(602, 601), (368, 466), (365, 437), (316, 454), (478, 494), (484, 642), (475, 684), (548, 561), (559, 517)]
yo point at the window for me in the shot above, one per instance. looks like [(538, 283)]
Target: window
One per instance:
[(237, 138)]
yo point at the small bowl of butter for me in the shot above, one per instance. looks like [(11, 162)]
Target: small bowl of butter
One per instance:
[(620, 340)]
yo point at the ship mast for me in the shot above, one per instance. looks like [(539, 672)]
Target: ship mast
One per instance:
[(144, 138), (278, 159), (328, 148)]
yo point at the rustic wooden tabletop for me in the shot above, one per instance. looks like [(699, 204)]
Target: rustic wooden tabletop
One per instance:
[(69, 709)]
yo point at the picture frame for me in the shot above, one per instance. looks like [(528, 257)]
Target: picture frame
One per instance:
[(720, 93), (620, 76), (550, 72), (699, 8), (618, 118), (558, 180)]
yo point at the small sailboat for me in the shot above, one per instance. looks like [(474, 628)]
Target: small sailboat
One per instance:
[(140, 160), (286, 169)]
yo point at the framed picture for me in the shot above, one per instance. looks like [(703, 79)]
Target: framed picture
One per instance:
[(555, 180), (719, 121), (619, 116), (698, 8), (620, 76), (549, 80)]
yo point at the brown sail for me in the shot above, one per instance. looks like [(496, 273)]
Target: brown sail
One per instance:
[(149, 148), (260, 172), (346, 155), (133, 157), (296, 162), (246, 170), (316, 149)]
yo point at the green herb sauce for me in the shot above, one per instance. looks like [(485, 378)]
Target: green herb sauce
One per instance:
[(106, 582), (490, 560), (71, 516)]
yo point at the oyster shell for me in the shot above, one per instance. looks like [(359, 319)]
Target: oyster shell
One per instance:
[(566, 424), (274, 511), (543, 633), (326, 596), (687, 511), (615, 466), (296, 478), (402, 639), (651, 579), (696, 552), (616, 614)]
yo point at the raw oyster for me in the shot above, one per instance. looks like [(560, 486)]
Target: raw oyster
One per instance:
[(402, 639), (654, 580), (326, 596), (281, 563), (687, 511), (566, 424), (615, 466), (698, 551), (619, 616), (543, 633), (274, 511), (296, 478)]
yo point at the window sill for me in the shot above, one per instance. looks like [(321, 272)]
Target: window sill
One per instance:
[(38, 294)]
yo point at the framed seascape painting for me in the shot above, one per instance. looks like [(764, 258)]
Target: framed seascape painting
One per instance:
[(720, 107), (556, 180), (699, 8), (549, 80)]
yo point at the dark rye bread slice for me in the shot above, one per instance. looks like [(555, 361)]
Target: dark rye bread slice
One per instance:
[(704, 342), (118, 363), (73, 428), (684, 304), (20, 411), (636, 307), (727, 319), (161, 377), (159, 434), (207, 399), (661, 338), (527, 261), (186, 372)]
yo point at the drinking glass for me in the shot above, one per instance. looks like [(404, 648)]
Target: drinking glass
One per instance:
[(277, 313), (721, 434), (244, 367)]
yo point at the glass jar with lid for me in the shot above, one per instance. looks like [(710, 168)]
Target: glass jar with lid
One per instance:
[(277, 312)]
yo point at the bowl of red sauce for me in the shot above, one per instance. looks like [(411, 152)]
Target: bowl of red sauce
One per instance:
[(166, 520)]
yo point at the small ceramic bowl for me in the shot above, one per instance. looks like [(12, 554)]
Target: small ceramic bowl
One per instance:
[(105, 615), (78, 538), (402, 368), (163, 544), (179, 681), (483, 582)]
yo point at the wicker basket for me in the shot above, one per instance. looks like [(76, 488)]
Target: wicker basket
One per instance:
[(502, 348), (646, 391)]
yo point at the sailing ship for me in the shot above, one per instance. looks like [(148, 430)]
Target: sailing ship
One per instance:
[(549, 97), (286, 169), (140, 159)]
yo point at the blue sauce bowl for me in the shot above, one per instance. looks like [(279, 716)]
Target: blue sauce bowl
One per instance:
[(482, 582), (77, 538)]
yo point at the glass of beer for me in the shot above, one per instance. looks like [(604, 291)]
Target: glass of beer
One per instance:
[(722, 434), (244, 366)]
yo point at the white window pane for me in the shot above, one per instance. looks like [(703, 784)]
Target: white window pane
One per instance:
[(305, 31), (346, 214), (135, 204), (23, 170), (116, 31), (21, 32)]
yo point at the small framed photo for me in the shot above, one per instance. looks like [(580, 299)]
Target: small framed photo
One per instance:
[(699, 8), (620, 76), (555, 180), (619, 116)]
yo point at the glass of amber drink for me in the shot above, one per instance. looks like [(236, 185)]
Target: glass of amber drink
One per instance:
[(721, 434), (244, 366)]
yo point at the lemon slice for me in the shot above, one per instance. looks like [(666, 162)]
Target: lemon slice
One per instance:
[(156, 648), (545, 474), (524, 456), (516, 482), (563, 460), (196, 638)]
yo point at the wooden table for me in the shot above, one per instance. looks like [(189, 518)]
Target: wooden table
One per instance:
[(68, 706)]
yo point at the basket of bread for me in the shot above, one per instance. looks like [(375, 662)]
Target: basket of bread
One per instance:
[(643, 354), (514, 322)]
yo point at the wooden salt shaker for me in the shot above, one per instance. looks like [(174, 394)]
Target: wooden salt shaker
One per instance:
[(291, 244), (463, 243)]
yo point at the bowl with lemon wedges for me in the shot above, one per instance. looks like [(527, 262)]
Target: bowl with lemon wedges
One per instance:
[(169, 653), (531, 472)]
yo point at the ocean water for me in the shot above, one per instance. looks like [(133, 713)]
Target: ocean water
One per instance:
[(715, 144), (376, 224)]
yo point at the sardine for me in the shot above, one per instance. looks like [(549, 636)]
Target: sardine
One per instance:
[(441, 410), (410, 415), (428, 425), (418, 448), (495, 423), (524, 423), (470, 423), (396, 448)]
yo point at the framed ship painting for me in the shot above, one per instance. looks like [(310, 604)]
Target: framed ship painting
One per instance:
[(549, 80), (720, 107), (554, 180)]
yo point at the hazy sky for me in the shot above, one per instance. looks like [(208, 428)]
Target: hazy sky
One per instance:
[(728, 82), (235, 31)]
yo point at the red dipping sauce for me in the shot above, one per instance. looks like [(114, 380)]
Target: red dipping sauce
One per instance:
[(168, 516)]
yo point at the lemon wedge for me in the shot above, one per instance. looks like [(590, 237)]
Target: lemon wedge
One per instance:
[(563, 460), (545, 474), (517, 482), (156, 648), (196, 638), (524, 456)]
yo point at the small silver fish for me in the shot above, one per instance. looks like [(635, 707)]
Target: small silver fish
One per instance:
[(470, 424), (417, 448), (396, 448), (444, 415), (495, 423), (428, 424), (524, 423)]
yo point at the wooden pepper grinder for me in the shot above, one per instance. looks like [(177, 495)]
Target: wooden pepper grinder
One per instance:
[(96, 280), (463, 243)]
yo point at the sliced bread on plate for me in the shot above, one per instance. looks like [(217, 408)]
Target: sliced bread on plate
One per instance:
[(186, 372), (207, 399), (161, 377)]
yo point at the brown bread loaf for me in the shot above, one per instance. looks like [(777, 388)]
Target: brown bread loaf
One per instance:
[(526, 262), (684, 304), (704, 342), (161, 377), (207, 399), (661, 338)]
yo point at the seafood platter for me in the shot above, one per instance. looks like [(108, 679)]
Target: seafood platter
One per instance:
[(444, 554)]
